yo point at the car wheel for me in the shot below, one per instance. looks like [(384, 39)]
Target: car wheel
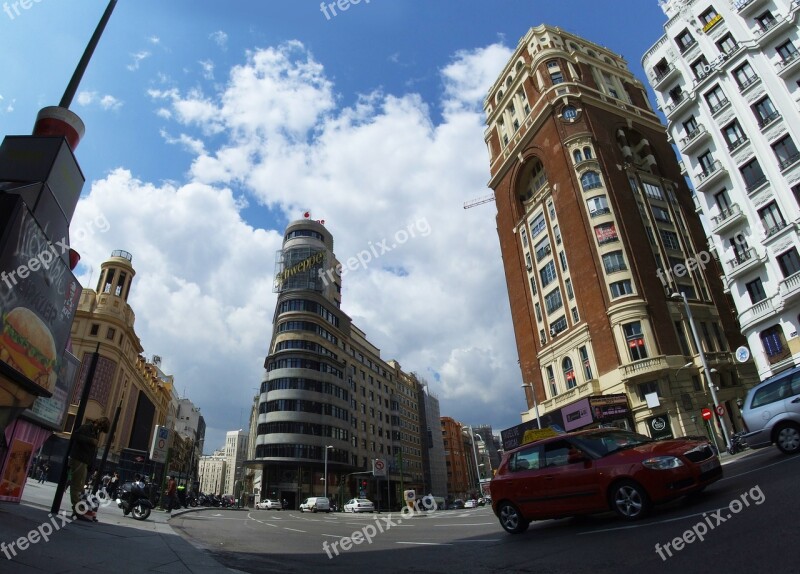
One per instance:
[(511, 519), (787, 438), (629, 500)]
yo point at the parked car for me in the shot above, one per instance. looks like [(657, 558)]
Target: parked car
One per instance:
[(481, 501), (315, 504), (457, 504), (472, 503), (771, 413), (269, 505), (359, 505), (597, 470)]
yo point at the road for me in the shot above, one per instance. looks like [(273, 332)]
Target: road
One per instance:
[(748, 522)]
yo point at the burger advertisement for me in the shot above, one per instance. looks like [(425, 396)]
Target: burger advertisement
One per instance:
[(38, 298)]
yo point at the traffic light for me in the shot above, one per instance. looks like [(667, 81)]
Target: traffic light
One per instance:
[(363, 484)]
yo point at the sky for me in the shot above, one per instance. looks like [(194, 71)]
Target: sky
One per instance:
[(211, 125)]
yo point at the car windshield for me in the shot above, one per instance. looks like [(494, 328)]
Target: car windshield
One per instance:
[(604, 443)]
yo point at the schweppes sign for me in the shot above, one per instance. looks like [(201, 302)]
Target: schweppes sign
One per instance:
[(304, 265)]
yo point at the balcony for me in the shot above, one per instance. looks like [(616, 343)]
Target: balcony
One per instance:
[(600, 211), (687, 49), (743, 262), (746, 7), (771, 117), (698, 208), (789, 161), (727, 218), (587, 389), (752, 186), (748, 82), (755, 314), (787, 64), (643, 368), (660, 75), (692, 138), (734, 145), (790, 287), (675, 104), (719, 106), (711, 173)]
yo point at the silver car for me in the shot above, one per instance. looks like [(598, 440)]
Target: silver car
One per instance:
[(771, 413)]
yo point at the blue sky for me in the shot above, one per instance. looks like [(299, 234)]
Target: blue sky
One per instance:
[(210, 125)]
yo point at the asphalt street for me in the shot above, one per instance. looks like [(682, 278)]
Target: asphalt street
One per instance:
[(744, 523)]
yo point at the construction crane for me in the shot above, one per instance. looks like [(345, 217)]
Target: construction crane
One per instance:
[(479, 201)]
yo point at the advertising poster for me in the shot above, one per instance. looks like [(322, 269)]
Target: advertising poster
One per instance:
[(52, 411), (16, 469), (38, 298), (576, 415)]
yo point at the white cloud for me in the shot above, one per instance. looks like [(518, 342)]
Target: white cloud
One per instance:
[(374, 171), (208, 69), (138, 57), (107, 101), (154, 40), (220, 38)]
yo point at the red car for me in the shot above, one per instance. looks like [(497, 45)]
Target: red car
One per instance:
[(595, 471)]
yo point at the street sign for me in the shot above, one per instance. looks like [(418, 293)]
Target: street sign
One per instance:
[(720, 410), (379, 467), (706, 414), (158, 450)]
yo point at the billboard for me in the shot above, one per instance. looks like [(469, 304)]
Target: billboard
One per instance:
[(51, 412)]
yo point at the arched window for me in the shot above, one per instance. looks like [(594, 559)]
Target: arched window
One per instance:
[(577, 155), (587, 152), (590, 180), (538, 176), (569, 373)]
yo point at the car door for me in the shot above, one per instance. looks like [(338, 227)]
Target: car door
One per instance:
[(529, 489), (570, 479)]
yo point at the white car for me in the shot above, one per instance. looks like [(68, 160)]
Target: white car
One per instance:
[(315, 504), (471, 504), (269, 505), (359, 505)]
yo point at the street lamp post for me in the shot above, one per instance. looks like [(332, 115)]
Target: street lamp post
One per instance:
[(475, 454), (706, 370), (327, 447), (535, 404)]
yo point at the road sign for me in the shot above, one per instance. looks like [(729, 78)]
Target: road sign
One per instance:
[(706, 414), (720, 410), (158, 450), (379, 467)]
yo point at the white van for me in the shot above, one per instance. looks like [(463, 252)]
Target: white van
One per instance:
[(316, 504)]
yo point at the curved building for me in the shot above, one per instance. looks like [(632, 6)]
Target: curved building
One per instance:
[(327, 401)]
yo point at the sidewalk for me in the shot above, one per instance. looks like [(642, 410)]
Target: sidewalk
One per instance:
[(116, 543)]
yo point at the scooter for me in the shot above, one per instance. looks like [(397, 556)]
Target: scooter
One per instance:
[(738, 443), (133, 500)]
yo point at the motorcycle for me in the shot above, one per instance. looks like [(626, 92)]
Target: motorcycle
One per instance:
[(133, 500), (738, 443)]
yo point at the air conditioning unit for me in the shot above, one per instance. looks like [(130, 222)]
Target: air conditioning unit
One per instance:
[(553, 332), (529, 267)]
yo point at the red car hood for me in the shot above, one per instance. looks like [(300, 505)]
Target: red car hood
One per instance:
[(676, 446)]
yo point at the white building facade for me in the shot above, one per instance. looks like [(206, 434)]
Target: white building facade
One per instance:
[(727, 76), (211, 473), (235, 455)]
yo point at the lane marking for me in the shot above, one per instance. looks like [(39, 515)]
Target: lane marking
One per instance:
[(294, 529), (724, 478), (426, 543), (470, 524), (471, 540), (334, 535)]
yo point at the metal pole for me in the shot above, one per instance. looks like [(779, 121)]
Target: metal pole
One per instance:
[(97, 479), (326, 471), (535, 404), (475, 454), (87, 388), (706, 371), (72, 87)]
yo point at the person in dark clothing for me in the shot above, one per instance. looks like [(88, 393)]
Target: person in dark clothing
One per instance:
[(82, 454), (172, 487)]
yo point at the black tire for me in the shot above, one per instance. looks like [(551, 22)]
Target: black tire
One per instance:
[(629, 499), (140, 512), (511, 518), (787, 438)]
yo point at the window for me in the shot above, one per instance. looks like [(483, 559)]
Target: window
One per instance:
[(533, 285), (653, 191), (706, 162), (537, 225), (569, 373), (744, 76), (526, 459), (110, 333), (785, 151), (723, 201), (700, 68), (551, 209), (723, 346), (568, 285), (708, 18), (575, 317), (587, 152), (661, 214), (716, 100), (635, 340), (556, 77), (771, 218), (551, 378), (590, 180), (553, 300), (563, 259), (733, 135), (682, 338), (766, 20), (765, 112), (755, 289), (787, 51), (524, 236), (684, 40), (94, 329), (670, 239), (587, 365), (577, 156), (538, 310), (646, 389), (606, 233), (547, 274), (621, 288), (538, 176), (542, 249), (569, 113), (727, 44), (789, 262), (614, 261), (597, 205), (752, 175), (774, 344), (558, 325), (690, 126), (557, 234)]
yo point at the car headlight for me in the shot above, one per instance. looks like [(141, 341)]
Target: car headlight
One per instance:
[(662, 462)]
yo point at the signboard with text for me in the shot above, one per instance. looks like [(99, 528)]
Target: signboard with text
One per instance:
[(160, 446)]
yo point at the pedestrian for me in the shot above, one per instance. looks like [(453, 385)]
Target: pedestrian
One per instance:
[(172, 488), (82, 454), (112, 485), (43, 471)]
